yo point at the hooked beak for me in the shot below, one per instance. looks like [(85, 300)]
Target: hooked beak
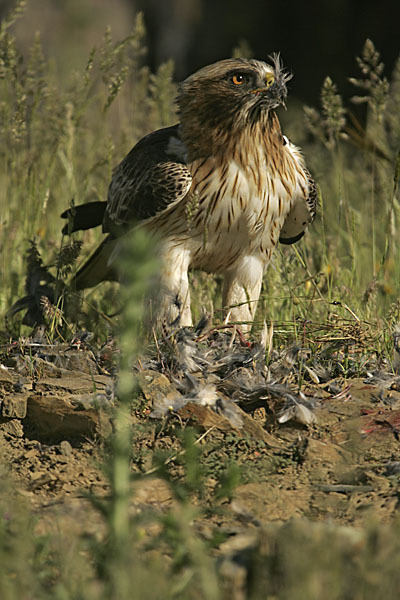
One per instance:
[(276, 93)]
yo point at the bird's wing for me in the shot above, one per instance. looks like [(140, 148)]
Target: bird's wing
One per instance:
[(304, 206), (151, 178)]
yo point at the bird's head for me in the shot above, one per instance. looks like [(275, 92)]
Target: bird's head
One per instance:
[(230, 94)]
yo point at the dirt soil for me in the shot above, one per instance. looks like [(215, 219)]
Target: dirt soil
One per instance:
[(336, 461)]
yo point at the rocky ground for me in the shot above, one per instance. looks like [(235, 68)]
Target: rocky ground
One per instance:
[(325, 450)]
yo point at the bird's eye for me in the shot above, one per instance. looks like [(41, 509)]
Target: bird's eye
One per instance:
[(239, 79)]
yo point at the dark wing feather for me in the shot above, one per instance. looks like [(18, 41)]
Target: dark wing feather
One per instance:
[(150, 179), (302, 214), (84, 216)]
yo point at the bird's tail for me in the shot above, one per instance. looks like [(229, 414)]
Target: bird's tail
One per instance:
[(99, 267), (83, 216)]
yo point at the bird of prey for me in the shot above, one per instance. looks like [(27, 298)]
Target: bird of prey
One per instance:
[(219, 189)]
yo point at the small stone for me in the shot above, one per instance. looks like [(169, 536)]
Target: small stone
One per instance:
[(32, 453), (14, 406), (33, 444), (13, 428), (65, 448)]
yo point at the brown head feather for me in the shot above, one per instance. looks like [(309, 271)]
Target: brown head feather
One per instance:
[(213, 109)]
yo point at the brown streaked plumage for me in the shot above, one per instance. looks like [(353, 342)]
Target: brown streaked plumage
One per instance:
[(228, 166)]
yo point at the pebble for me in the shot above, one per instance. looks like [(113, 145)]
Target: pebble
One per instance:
[(65, 448)]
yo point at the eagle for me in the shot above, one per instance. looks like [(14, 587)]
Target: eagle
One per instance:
[(219, 189)]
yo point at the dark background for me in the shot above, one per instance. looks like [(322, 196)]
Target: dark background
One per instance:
[(315, 38)]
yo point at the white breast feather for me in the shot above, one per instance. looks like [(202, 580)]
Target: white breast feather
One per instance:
[(248, 213)]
